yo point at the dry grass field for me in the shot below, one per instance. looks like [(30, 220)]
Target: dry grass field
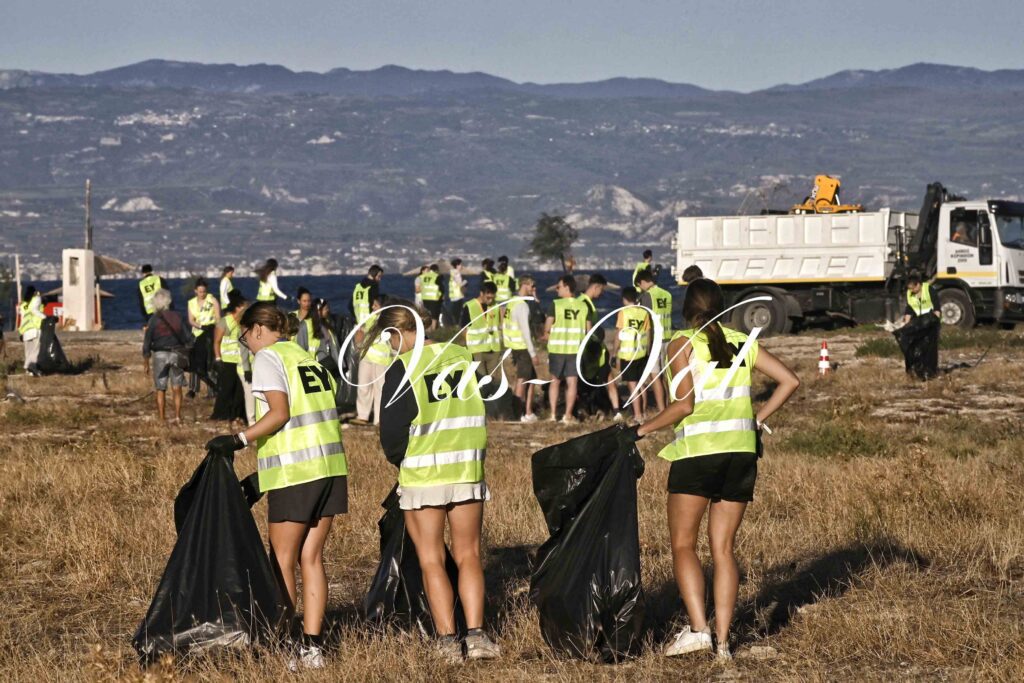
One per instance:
[(886, 540)]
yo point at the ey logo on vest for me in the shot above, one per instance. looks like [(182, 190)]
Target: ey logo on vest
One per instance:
[(452, 379), (314, 378), (636, 324), (662, 303), (571, 314)]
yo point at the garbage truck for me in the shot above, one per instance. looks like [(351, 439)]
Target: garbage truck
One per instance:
[(853, 266)]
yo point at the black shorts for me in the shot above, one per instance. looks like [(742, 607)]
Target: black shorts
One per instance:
[(632, 371), (308, 503), (719, 476), (433, 308), (562, 365), (524, 365)]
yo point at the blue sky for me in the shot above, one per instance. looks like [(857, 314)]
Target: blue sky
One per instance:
[(727, 44)]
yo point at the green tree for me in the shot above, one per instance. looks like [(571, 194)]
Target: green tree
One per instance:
[(553, 238)]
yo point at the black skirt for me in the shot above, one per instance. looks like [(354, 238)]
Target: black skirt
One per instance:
[(230, 403), (308, 503)]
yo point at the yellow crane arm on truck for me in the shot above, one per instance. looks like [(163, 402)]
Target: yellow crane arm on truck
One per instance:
[(825, 198)]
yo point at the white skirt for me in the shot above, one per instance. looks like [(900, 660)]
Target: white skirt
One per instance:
[(443, 495)]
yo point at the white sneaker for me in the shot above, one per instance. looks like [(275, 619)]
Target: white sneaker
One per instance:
[(528, 418), (723, 654), (618, 417), (309, 657), (569, 420), (689, 641), (481, 647)]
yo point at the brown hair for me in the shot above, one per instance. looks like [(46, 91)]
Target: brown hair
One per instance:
[(266, 313), (704, 303), (396, 315)]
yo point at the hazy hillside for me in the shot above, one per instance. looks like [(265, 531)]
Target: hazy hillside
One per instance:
[(461, 163)]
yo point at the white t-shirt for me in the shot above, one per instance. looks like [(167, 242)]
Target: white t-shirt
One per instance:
[(268, 374)]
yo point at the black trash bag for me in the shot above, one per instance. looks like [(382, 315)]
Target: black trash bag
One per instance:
[(586, 579), (506, 408), (52, 360), (396, 593), (919, 342), (345, 397), (218, 589)]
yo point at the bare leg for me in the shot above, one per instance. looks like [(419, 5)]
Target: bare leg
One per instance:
[(529, 399), (161, 402), (659, 393), (553, 391), (684, 515), (465, 521), (285, 545), (426, 528), (176, 395), (571, 385), (638, 402), (723, 523), (314, 577), (613, 395)]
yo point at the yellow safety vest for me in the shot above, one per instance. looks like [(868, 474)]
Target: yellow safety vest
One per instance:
[(454, 289), (723, 416), (312, 341), (265, 292), (636, 271), (514, 338), (923, 303), (482, 335), (29, 320), (308, 447), (380, 352), (569, 327), (230, 348), (661, 303), (430, 290), (503, 281), (149, 286), (633, 334), (448, 436), (361, 303), (204, 315)]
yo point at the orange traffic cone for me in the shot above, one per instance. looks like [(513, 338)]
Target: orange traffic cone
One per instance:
[(824, 366)]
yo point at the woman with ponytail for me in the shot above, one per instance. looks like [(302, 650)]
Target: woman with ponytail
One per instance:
[(300, 460), (714, 454)]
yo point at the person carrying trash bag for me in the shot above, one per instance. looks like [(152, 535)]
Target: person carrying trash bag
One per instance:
[(918, 339), (434, 428), (586, 576), (218, 589), (714, 454), (301, 462)]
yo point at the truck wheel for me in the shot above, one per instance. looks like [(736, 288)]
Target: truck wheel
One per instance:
[(770, 316), (957, 309)]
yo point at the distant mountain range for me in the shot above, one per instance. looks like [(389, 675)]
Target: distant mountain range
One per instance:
[(196, 165), (397, 81)]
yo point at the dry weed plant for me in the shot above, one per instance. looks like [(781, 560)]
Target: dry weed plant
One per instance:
[(885, 542)]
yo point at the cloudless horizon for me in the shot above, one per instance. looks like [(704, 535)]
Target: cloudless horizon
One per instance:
[(730, 45)]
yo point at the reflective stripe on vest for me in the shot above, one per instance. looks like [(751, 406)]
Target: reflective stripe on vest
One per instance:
[(633, 335), (569, 326), (723, 416), (361, 303), (308, 447), (29, 320), (482, 335), (923, 303), (149, 286), (430, 290), (661, 304), (265, 292), (448, 436), (230, 349), (503, 281), (203, 315), (514, 338)]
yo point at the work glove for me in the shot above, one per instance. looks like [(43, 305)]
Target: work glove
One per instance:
[(225, 442), (248, 376), (251, 489)]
